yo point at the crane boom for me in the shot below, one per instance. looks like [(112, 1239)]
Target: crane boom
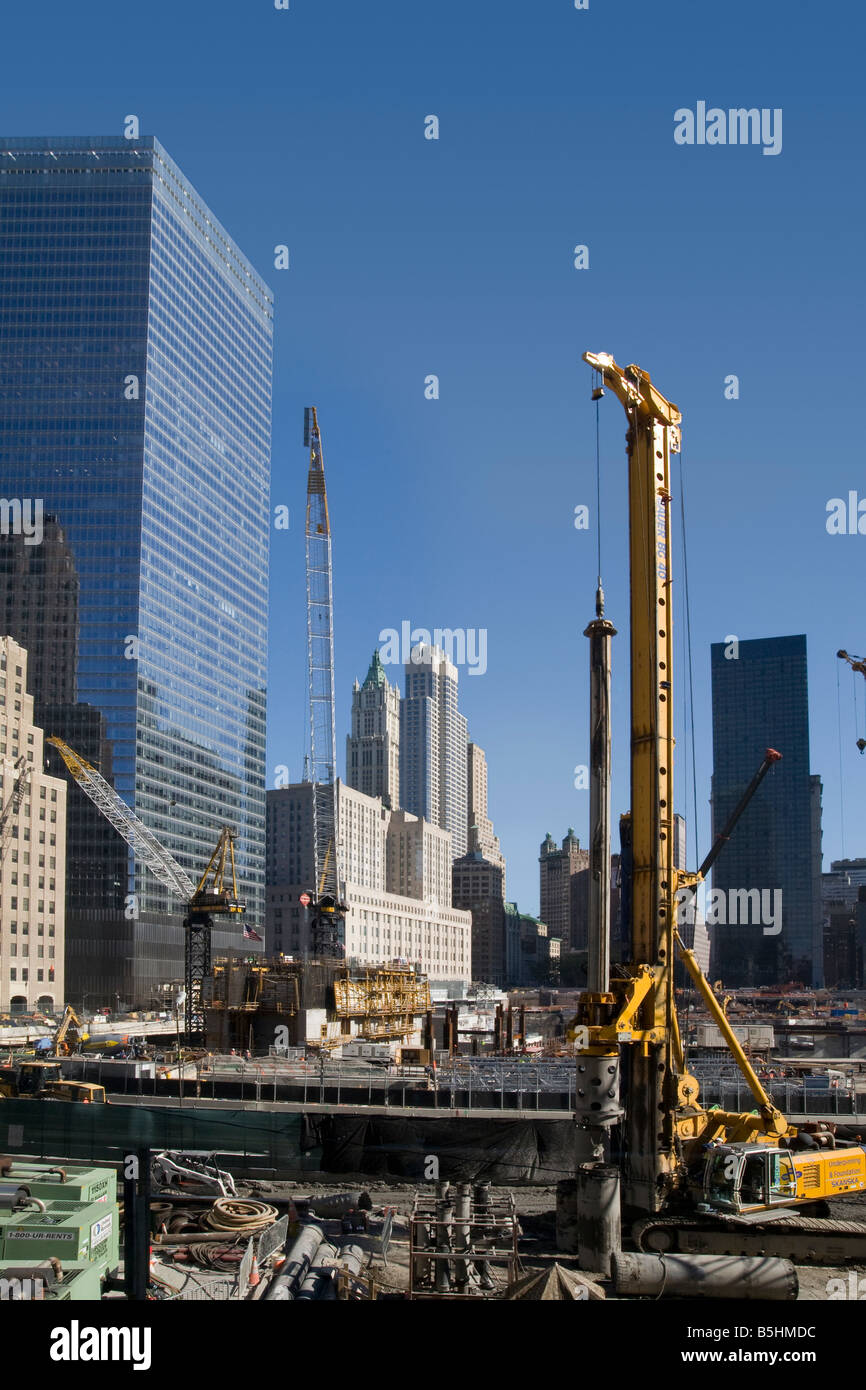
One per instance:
[(13, 802), (216, 891), (143, 843)]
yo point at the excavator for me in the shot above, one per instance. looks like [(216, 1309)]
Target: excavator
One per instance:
[(693, 1179)]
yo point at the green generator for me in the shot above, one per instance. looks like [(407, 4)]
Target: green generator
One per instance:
[(70, 1183), (79, 1281), (69, 1231)]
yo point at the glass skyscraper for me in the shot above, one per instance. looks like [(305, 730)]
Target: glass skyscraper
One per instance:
[(760, 700), (135, 398)]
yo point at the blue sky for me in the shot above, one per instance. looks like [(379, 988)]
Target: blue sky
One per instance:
[(455, 257)]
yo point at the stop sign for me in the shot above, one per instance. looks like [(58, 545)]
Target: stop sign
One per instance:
[(305, 899)]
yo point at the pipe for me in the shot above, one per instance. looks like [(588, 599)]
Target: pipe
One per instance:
[(352, 1258), (334, 1204), (481, 1230), (705, 1276), (600, 631), (598, 1215), (444, 1215), (297, 1263), (462, 1231), (316, 1278)]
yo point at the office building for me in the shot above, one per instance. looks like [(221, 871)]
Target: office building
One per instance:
[(565, 890), (32, 852), (760, 700), (135, 359), (373, 746), (479, 826), (433, 746), (479, 888), (397, 874)]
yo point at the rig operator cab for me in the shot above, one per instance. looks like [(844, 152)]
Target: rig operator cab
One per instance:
[(742, 1179)]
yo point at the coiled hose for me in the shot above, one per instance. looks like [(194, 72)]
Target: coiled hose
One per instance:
[(241, 1217)]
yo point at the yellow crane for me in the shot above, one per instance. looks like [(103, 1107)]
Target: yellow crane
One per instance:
[(677, 1156), (215, 893)]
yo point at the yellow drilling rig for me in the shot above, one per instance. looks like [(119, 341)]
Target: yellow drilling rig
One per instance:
[(694, 1178)]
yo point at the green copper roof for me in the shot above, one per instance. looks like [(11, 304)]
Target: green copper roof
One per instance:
[(376, 673)]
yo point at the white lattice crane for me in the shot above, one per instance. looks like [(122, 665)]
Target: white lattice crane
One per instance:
[(327, 907), (216, 892)]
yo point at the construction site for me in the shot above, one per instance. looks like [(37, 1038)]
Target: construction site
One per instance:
[(322, 1130)]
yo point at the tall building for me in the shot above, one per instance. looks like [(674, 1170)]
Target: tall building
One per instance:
[(135, 373), (479, 888), (565, 890), (373, 746), (843, 901), (679, 842), (760, 700), (32, 852), (479, 826), (433, 745), (397, 873)]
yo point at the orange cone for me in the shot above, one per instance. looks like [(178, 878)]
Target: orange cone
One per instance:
[(255, 1277)]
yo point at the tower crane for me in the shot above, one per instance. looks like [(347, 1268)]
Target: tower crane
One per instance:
[(216, 892), (857, 663), (327, 908), (12, 806), (683, 1167)]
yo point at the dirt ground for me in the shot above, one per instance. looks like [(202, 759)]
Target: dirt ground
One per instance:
[(537, 1244)]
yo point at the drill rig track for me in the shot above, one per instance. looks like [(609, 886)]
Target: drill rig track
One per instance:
[(801, 1239)]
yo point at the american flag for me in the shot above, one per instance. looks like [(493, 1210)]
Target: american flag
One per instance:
[(250, 935)]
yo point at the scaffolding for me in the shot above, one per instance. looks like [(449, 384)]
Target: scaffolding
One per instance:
[(388, 1000)]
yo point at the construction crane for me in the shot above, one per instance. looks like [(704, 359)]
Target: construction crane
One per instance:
[(22, 771), (216, 892), (327, 908), (857, 663), (682, 1167)]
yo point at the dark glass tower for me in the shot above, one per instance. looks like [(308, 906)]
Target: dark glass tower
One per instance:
[(135, 394), (760, 700)]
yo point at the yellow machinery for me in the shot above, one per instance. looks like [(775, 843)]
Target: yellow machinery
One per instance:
[(216, 892), (43, 1080), (670, 1144), (69, 1035)]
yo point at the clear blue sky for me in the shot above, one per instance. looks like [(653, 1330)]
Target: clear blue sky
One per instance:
[(454, 257)]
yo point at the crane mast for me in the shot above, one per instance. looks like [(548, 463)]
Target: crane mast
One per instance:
[(639, 1009), (327, 908)]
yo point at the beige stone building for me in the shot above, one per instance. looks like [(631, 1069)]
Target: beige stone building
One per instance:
[(33, 864), (397, 874)]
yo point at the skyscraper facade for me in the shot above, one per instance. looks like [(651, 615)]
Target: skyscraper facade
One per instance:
[(135, 376), (479, 825), (397, 873), (373, 746), (32, 851), (760, 700), (433, 745), (564, 875)]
